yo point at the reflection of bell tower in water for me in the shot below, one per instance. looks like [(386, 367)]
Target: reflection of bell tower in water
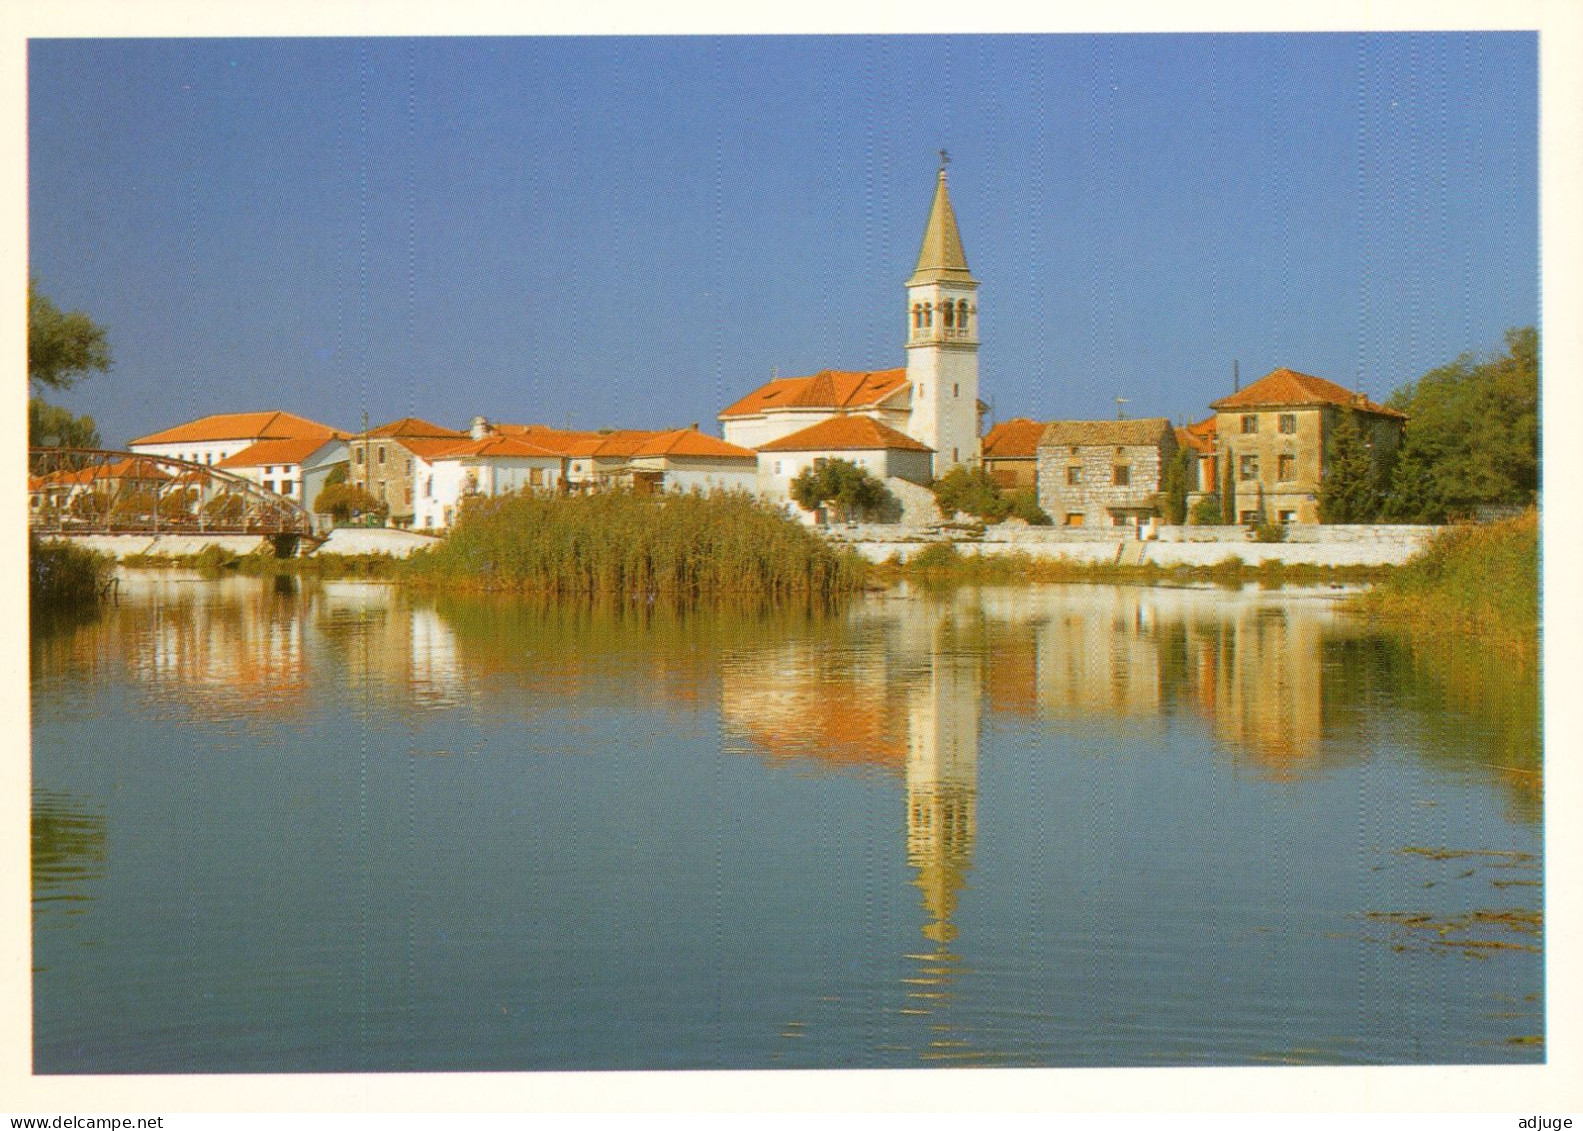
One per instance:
[(942, 780)]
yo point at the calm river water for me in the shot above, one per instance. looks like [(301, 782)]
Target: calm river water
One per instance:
[(288, 827)]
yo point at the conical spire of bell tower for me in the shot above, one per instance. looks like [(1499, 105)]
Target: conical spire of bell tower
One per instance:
[(941, 259)]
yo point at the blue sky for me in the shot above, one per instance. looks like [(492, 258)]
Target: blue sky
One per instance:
[(634, 232)]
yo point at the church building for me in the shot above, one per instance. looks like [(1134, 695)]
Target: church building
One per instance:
[(932, 402)]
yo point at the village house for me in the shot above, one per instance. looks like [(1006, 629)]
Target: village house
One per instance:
[(1103, 472), (686, 460), (298, 468), (1199, 439), (449, 472), (1273, 440), (93, 493), (210, 439), (1011, 453), (933, 401), (888, 455), (385, 465)]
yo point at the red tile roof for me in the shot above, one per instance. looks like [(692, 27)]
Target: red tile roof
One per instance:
[(412, 426), (490, 447), (1200, 437), (121, 469), (267, 452), (846, 433), (238, 426), (1014, 439), (690, 442), (829, 388), (1283, 387)]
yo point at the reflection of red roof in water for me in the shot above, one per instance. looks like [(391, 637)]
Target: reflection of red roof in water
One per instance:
[(835, 722)]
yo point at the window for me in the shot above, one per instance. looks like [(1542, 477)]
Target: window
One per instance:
[(961, 314), (208, 457), (1074, 518), (1250, 425), (1248, 468), (357, 456), (928, 314), (409, 466), (955, 458), (1250, 518), (948, 310), (956, 390), (917, 316), (777, 467), (379, 454), (1121, 475), (269, 484), (536, 476), (1289, 423), (409, 494), (270, 470), (1287, 469), (1286, 518), (288, 488), (1074, 476), (1118, 519)]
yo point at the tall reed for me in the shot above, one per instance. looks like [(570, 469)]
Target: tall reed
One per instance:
[(1482, 579), (620, 543)]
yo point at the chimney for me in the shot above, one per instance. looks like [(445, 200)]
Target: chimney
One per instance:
[(480, 428)]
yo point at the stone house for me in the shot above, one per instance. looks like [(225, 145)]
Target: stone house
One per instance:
[(1273, 438), (384, 462), (1103, 472), (1011, 453)]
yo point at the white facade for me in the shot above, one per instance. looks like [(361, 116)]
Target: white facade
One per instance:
[(443, 483), (207, 452), (763, 428), (777, 469), (683, 474)]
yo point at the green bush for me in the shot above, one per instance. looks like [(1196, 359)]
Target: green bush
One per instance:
[(63, 576), (1269, 532)]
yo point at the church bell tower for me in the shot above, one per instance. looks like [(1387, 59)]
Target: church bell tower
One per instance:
[(942, 341)]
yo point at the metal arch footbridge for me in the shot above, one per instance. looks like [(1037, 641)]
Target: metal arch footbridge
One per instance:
[(83, 491)]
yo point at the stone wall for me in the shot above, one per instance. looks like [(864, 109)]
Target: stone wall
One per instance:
[(1174, 545)]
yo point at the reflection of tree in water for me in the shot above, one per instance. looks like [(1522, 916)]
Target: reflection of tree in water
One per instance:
[(1478, 709), (68, 841)]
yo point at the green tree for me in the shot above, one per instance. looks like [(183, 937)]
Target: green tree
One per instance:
[(851, 492), (1025, 505), (62, 349), (343, 500), (1348, 492), (1173, 487), (1472, 435), (970, 491), (50, 426), (1207, 512)]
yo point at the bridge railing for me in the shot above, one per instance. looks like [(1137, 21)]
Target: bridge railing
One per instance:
[(100, 491)]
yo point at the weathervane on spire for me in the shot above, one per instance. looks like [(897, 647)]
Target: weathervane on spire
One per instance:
[(945, 159)]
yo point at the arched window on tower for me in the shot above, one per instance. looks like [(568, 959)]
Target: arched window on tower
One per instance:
[(961, 314), (949, 310), (917, 316), (928, 314)]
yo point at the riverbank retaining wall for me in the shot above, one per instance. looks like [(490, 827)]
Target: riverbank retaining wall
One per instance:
[(1168, 545)]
